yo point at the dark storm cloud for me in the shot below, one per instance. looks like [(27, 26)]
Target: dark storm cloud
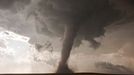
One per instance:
[(8, 4), (91, 15)]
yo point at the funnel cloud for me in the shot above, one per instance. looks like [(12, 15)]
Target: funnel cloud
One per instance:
[(71, 28)]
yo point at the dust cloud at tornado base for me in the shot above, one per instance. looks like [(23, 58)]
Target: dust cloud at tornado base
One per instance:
[(116, 46)]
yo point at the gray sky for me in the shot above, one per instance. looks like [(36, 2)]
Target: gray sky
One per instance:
[(44, 20)]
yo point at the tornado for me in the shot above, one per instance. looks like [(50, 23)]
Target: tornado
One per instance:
[(77, 19), (73, 20)]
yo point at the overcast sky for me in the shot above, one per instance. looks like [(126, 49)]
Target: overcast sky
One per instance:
[(44, 20)]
